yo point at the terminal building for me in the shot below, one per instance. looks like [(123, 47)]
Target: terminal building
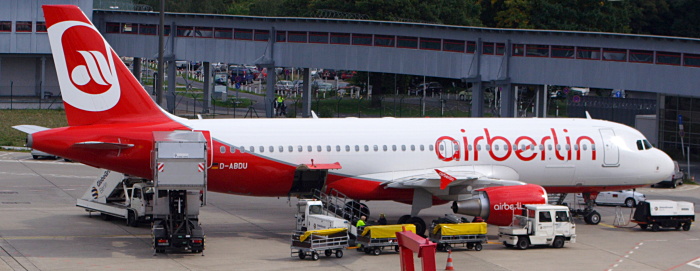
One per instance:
[(659, 74)]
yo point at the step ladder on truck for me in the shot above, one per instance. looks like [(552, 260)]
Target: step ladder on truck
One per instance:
[(170, 202)]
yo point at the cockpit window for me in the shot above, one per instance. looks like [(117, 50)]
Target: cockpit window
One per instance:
[(644, 144)]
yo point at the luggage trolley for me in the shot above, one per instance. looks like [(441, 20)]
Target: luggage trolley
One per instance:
[(310, 243), (471, 235), (375, 238)]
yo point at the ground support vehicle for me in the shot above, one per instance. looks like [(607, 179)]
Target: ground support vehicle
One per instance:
[(171, 201), (311, 243), (539, 224), (374, 239), (470, 235), (656, 214)]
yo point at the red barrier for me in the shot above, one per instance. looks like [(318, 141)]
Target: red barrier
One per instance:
[(410, 243)]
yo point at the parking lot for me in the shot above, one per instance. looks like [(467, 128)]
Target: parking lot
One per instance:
[(41, 229)]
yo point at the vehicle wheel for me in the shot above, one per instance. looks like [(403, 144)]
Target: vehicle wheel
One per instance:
[(338, 253), (360, 249), (314, 256), (523, 242), (403, 219), (420, 225), (478, 247), (654, 227), (131, 219), (686, 226), (376, 251), (396, 248), (558, 242), (629, 202), (643, 226), (448, 248), (328, 252), (470, 245), (302, 255), (440, 247), (673, 183), (592, 218), (506, 244)]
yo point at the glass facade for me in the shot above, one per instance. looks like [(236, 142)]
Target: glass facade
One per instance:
[(677, 110)]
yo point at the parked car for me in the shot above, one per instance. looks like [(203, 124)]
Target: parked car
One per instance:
[(674, 180), (283, 85), (245, 73), (430, 88), (627, 198), (321, 86), (37, 154)]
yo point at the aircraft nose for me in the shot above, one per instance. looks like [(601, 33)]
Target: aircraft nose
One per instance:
[(665, 166)]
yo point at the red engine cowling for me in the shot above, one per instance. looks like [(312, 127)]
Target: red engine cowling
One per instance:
[(496, 205)]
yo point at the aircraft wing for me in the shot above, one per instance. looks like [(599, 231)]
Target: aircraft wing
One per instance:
[(30, 129), (435, 179)]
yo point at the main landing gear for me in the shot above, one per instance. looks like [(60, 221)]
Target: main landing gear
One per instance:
[(590, 216), (417, 221)]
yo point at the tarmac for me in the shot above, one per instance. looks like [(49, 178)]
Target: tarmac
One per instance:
[(42, 229)]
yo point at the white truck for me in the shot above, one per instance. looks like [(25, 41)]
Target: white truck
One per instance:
[(664, 213), (117, 195), (312, 216), (539, 224)]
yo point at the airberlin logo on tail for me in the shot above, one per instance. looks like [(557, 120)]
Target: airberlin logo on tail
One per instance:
[(84, 65)]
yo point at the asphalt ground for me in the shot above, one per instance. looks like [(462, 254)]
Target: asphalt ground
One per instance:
[(42, 229)]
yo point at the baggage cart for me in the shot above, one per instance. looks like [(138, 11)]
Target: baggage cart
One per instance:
[(375, 238), (311, 243), (469, 235)]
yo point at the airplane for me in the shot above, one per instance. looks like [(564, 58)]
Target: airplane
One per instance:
[(487, 167)]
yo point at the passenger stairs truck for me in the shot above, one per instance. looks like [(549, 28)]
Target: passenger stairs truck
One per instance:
[(170, 201)]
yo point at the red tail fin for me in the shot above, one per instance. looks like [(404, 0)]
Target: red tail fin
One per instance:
[(95, 84)]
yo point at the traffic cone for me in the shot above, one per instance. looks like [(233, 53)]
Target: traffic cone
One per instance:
[(449, 261)]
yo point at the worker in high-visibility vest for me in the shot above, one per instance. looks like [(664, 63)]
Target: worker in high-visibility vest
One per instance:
[(361, 222)]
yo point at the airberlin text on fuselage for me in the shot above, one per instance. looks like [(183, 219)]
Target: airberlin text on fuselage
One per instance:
[(525, 147)]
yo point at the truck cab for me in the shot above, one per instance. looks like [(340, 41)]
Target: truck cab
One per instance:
[(312, 216), (539, 224)]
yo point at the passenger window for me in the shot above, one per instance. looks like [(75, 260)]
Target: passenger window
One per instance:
[(593, 147), (366, 148), (431, 148), (495, 147), (311, 149), (585, 147), (337, 148), (385, 148), (403, 147), (281, 148), (251, 149), (319, 148), (262, 149), (422, 148), (469, 147), (272, 149), (357, 148), (558, 147), (376, 148), (576, 147), (328, 148), (478, 147), (549, 147), (300, 148), (222, 149), (505, 147), (347, 148), (562, 216), (442, 147), (232, 149), (488, 147), (545, 217), (413, 147), (393, 147), (567, 147)]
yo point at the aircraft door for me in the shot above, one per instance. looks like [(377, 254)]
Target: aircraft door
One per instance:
[(306, 180), (611, 152)]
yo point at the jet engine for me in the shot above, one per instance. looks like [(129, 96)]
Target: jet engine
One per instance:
[(496, 205)]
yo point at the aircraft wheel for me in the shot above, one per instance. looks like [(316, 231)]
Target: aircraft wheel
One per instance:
[(420, 225), (686, 226), (403, 219), (523, 242), (592, 218), (558, 242)]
